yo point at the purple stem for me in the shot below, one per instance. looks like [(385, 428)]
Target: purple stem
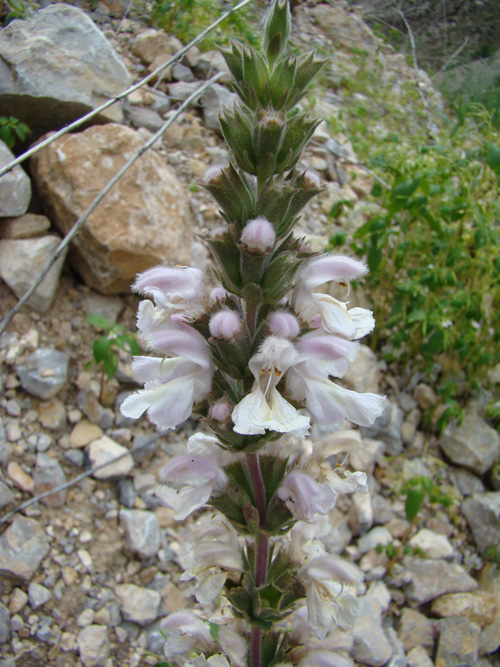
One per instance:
[(261, 551)]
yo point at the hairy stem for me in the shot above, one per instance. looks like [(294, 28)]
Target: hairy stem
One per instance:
[(261, 550)]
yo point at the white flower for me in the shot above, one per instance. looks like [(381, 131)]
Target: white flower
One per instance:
[(328, 604), (327, 402), (185, 631), (214, 661), (324, 310), (264, 407), (213, 553), (172, 384), (175, 289)]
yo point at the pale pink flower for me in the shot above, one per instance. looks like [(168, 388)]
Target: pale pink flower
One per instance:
[(171, 384), (304, 497), (258, 235), (283, 324), (324, 310), (175, 289), (185, 631), (264, 407), (225, 324), (221, 411)]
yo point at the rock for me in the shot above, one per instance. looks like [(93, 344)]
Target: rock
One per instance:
[(418, 657), (38, 595), (364, 373), (379, 592), (103, 450), (6, 495), (181, 90), (57, 66), (139, 605), (22, 261), (458, 642), (4, 624), (26, 227), (85, 618), (90, 406), (151, 44), (370, 645), (210, 63), (75, 456), (473, 444), (126, 493), (433, 578), (15, 186), (431, 544), (142, 531), (361, 515), (145, 220), (52, 415), (482, 511), (144, 117), (343, 28), (20, 477), (93, 645), (18, 600), (490, 583), (378, 535), (48, 475), (479, 606), (182, 73), (213, 101), (425, 396), (108, 306), (466, 482), (415, 629), (22, 548), (44, 372), (84, 433), (398, 657), (387, 428)]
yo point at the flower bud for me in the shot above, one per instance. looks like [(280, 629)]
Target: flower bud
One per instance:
[(283, 324), (259, 235), (221, 411), (277, 29), (218, 294), (225, 324), (218, 232), (213, 174), (312, 180)]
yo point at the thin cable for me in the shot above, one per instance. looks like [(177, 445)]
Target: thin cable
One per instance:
[(78, 224), (125, 93), (74, 481)]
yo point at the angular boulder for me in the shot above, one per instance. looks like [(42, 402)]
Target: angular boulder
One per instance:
[(144, 220), (15, 186), (55, 67)]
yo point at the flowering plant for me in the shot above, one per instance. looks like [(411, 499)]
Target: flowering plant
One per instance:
[(255, 358)]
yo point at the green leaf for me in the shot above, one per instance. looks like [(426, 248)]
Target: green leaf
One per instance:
[(101, 348), (493, 157), (377, 190), (132, 343), (214, 630), (416, 316), (6, 136), (99, 321), (110, 365), (413, 503), (374, 258), (405, 189)]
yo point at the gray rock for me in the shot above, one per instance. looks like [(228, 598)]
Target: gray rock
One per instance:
[(181, 90), (387, 428), (27, 226), (44, 373), (364, 374), (211, 62), (93, 645), (425, 396), (378, 535), (432, 544), (5, 447), (126, 493), (142, 532), (21, 262), (146, 451), (139, 605), (48, 475), (213, 101), (57, 66), (490, 583), (156, 638), (473, 444), (415, 629), (44, 632), (4, 624), (88, 403), (458, 642), (38, 595), (432, 578), (6, 495), (145, 117), (15, 186), (398, 658), (75, 456), (482, 511), (22, 548), (182, 73), (466, 482), (370, 644), (366, 455)]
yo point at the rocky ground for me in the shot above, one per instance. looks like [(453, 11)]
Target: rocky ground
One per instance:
[(88, 572)]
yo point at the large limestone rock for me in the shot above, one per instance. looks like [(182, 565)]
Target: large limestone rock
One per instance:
[(57, 66), (144, 220), (15, 186)]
